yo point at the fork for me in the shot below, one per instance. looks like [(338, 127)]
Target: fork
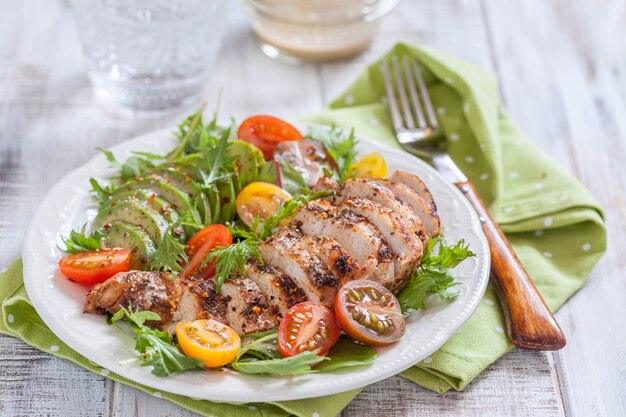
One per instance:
[(529, 322)]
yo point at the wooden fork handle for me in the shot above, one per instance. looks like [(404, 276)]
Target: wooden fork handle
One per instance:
[(529, 322)]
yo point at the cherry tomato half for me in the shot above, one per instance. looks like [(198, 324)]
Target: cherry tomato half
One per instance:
[(372, 165), (200, 244), (96, 266), (369, 313), (307, 326), (265, 132), (214, 343), (259, 199)]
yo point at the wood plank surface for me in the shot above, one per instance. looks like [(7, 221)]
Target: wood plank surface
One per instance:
[(562, 76)]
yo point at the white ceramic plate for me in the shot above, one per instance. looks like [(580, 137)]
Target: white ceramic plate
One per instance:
[(59, 302)]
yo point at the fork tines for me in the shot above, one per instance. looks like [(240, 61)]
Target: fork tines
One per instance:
[(408, 78)]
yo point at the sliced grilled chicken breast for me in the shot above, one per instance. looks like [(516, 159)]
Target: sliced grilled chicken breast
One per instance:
[(338, 261), (407, 247), (372, 190), (198, 301), (240, 304), (360, 239), (421, 208), (153, 291), (283, 250), (280, 290), (247, 308), (415, 183)]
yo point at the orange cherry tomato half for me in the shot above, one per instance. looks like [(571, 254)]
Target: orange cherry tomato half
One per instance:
[(369, 313), (307, 326), (211, 237), (96, 266), (266, 132), (214, 343)]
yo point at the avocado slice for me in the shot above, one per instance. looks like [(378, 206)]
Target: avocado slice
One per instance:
[(179, 179), (135, 240), (130, 212), (179, 200), (248, 161), (149, 199)]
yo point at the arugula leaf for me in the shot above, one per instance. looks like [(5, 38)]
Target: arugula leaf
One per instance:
[(231, 260), (259, 358), (341, 147), (79, 242), (135, 166), (101, 193), (433, 276), (211, 166), (347, 353), (170, 253), (188, 129), (156, 348), (292, 180)]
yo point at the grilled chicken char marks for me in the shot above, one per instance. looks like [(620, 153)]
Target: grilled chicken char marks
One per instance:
[(416, 184), (281, 292), (153, 291), (374, 191), (358, 237), (240, 304), (405, 244), (284, 250), (247, 308), (421, 207)]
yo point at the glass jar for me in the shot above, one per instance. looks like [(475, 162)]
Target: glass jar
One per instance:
[(316, 29)]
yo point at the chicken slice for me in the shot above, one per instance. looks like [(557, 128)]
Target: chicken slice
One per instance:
[(358, 237), (421, 208), (406, 246), (240, 304), (284, 250), (247, 308), (153, 291), (339, 262), (372, 190), (280, 290), (416, 184), (198, 301)]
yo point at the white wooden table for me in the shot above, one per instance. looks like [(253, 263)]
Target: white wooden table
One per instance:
[(562, 66)]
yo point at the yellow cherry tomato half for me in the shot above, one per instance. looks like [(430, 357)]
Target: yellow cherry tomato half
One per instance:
[(259, 199), (210, 341), (372, 165)]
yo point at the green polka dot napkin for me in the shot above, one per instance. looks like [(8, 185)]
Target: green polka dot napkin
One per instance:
[(554, 224)]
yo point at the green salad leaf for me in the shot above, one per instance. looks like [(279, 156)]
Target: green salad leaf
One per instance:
[(170, 252), (347, 353), (340, 145), (156, 348), (261, 357), (433, 276), (292, 180), (79, 242)]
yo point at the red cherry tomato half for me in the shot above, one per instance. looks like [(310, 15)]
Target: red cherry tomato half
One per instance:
[(200, 244), (369, 313), (307, 326), (94, 267), (266, 132)]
